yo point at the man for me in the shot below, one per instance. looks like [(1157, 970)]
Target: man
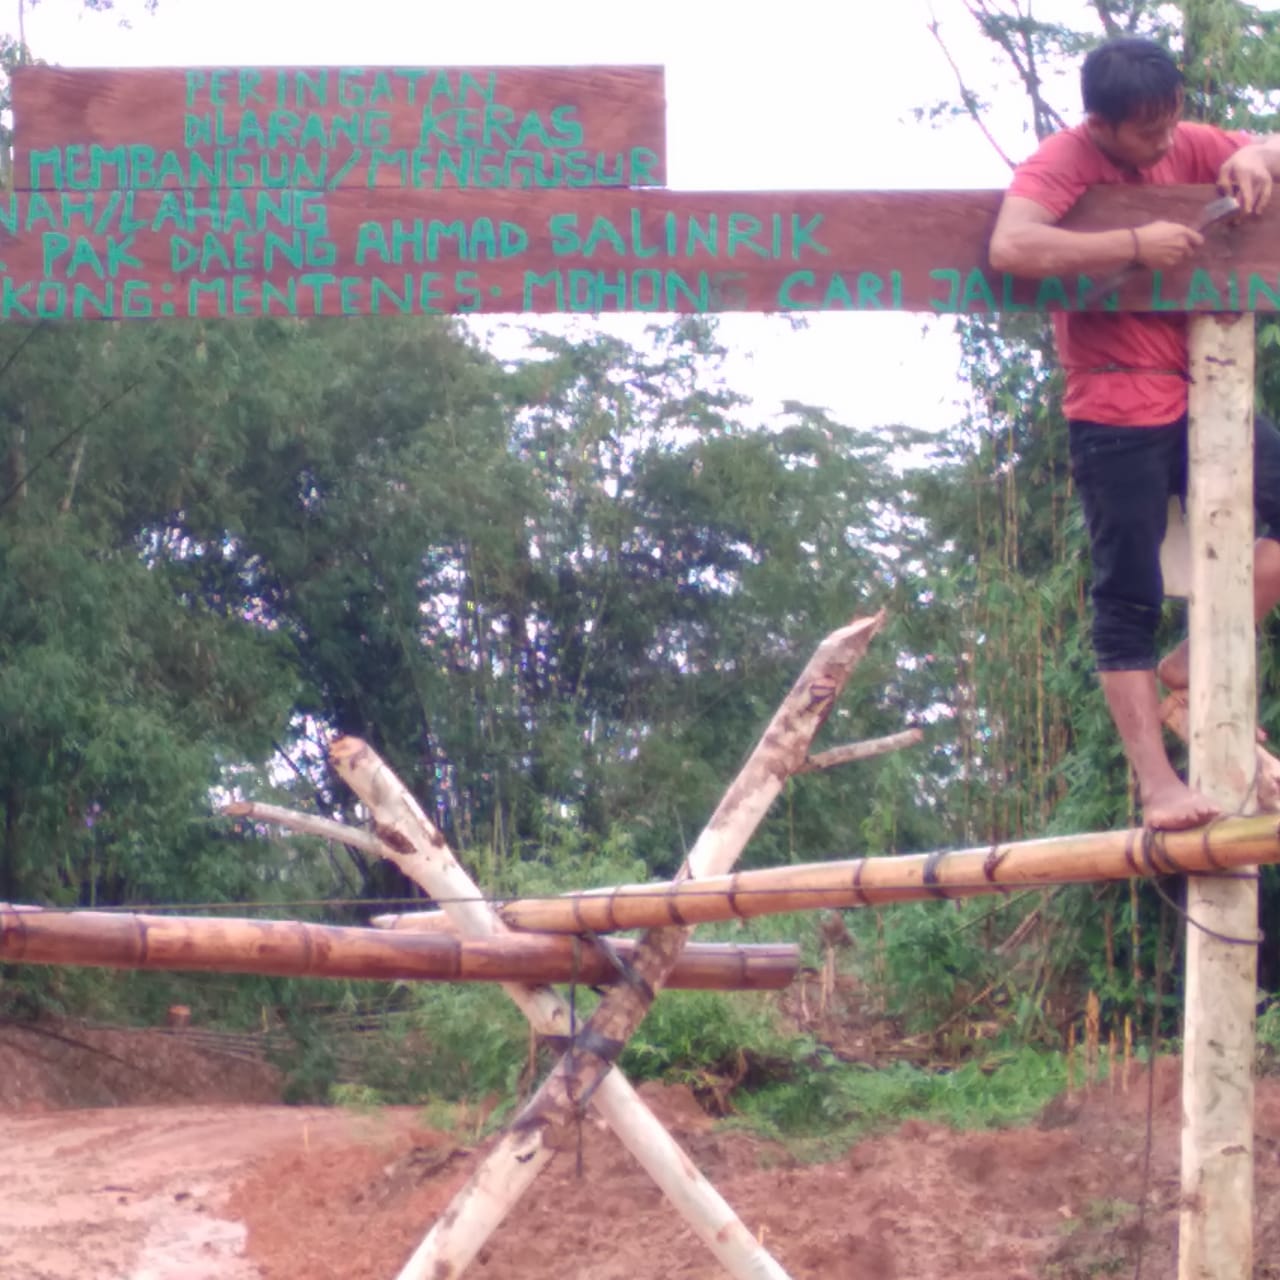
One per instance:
[(1126, 375)]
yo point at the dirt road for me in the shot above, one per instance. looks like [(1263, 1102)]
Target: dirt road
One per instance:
[(192, 1191), (143, 1192)]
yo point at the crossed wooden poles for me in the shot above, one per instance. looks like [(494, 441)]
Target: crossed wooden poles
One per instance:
[(705, 890), (472, 939), (586, 1072)]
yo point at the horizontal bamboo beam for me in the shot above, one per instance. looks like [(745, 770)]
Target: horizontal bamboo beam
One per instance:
[(866, 882), (99, 939)]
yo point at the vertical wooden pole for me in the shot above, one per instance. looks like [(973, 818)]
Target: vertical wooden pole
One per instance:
[(1216, 1223)]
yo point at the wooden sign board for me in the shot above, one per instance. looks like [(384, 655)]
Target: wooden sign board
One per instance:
[(329, 128), (236, 253)]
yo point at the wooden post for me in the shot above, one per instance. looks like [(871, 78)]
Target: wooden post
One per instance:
[(1216, 1223)]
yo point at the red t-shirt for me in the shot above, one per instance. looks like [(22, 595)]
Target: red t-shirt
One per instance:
[(1055, 177)]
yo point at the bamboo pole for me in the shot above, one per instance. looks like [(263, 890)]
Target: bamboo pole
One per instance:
[(1112, 855), (422, 853), (589, 1065), (1216, 1218), (290, 948)]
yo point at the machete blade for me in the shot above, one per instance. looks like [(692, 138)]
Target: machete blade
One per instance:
[(1216, 211)]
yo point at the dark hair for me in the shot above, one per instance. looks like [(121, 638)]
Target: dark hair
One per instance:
[(1130, 79)]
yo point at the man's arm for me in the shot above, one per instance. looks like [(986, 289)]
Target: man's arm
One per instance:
[(1027, 242)]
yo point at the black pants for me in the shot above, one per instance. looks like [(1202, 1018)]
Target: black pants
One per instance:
[(1125, 477)]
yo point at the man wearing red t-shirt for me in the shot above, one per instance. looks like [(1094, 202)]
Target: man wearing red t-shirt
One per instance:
[(1126, 375)]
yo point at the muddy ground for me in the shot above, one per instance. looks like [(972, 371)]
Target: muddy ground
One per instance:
[(134, 1155)]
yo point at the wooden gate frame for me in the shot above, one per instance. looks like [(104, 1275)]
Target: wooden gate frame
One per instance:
[(921, 251)]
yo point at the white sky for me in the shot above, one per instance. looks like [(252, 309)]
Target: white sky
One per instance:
[(808, 94)]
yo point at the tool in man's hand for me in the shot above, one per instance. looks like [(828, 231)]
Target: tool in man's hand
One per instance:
[(1217, 210)]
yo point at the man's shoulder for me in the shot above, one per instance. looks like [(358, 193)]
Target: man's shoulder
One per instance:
[(1069, 152), (1066, 142), (1063, 165), (1198, 130), (1200, 149)]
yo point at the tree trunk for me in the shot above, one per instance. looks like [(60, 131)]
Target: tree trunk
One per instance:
[(9, 846)]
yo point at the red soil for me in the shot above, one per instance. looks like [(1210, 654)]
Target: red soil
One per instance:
[(163, 1163)]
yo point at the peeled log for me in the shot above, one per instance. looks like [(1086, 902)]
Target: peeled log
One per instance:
[(415, 922), (860, 882), (110, 940)]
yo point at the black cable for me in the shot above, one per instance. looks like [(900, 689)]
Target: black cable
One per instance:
[(59, 445), (1204, 928)]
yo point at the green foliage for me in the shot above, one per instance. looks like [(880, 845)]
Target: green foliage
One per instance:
[(930, 958), (122, 703), (689, 1035), (566, 859), (308, 1066), (466, 1042), (356, 1097), (1268, 1035), (834, 1104)]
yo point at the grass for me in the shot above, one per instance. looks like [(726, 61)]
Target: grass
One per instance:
[(472, 1047), (827, 1106)]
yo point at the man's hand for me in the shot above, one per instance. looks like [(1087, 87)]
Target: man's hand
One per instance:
[(1247, 176), (1166, 244)]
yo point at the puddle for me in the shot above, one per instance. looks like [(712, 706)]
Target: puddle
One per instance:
[(187, 1244)]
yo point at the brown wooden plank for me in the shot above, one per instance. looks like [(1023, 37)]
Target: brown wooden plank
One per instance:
[(330, 127), (242, 253)]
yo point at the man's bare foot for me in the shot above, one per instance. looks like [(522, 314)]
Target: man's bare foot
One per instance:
[(1174, 669), (1175, 704), (1176, 807)]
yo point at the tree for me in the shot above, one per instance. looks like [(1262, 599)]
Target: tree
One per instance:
[(120, 701)]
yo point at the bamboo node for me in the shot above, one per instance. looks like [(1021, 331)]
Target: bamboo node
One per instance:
[(929, 875), (991, 864)]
